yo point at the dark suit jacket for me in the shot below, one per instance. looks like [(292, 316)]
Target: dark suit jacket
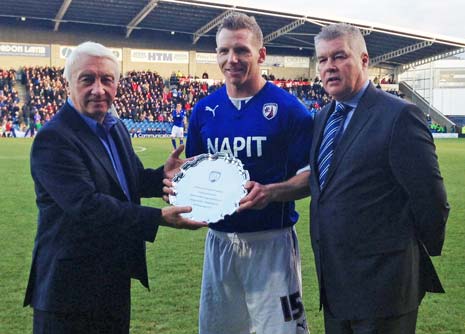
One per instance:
[(90, 239), (382, 211)]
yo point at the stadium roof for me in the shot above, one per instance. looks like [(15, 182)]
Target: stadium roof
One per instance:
[(191, 25)]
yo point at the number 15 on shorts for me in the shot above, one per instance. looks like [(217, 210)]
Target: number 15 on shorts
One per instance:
[(292, 306)]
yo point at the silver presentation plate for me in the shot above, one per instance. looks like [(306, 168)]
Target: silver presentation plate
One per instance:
[(212, 184)]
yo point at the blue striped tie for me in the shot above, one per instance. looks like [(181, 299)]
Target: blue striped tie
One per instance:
[(327, 146)]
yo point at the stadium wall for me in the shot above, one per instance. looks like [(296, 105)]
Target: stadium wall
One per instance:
[(163, 69), (41, 35), (16, 62), (212, 70), (450, 100), (441, 83), (55, 41)]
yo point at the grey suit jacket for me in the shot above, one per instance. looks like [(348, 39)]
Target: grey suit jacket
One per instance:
[(382, 211)]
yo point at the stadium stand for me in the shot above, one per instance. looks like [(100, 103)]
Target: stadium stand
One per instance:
[(45, 92), (9, 108), (144, 99), (37, 34)]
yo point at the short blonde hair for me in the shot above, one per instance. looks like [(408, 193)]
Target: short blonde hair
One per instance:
[(236, 21)]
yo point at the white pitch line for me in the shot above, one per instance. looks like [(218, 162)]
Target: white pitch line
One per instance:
[(139, 149)]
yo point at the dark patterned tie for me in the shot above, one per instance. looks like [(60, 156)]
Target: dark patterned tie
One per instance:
[(332, 128)]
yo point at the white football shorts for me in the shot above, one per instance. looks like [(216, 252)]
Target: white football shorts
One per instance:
[(252, 284), (177, 132)]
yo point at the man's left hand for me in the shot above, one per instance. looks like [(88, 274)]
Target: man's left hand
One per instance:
[(258, 197), (173, 163)]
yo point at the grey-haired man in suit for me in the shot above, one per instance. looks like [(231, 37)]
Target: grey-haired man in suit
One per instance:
[(379, 207), (91, 228)]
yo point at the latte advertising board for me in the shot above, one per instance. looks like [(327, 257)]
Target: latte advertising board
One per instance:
[(24, 50), (159, 56)]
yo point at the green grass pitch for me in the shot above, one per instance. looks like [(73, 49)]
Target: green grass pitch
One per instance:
[(175, 258)]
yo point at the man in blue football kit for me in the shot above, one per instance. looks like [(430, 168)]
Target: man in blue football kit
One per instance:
[(251, 277), (177, 131)]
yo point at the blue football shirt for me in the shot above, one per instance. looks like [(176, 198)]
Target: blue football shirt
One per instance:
[(271, 135), (178, 118)]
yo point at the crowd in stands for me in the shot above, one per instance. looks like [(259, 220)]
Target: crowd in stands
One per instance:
[(311, 93), (144, 99), (146, 96), (45, 94), (9, 109)]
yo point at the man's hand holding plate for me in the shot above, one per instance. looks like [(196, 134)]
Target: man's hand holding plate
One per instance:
[(172, 167), (167, 190), (171, 217), (174, 162), (258, 197)]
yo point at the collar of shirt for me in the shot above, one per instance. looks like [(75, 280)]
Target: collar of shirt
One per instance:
[(239, 103), (108, 122), (353, 102)]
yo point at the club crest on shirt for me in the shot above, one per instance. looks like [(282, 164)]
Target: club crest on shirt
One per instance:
[(270, 110), (214, 176)]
